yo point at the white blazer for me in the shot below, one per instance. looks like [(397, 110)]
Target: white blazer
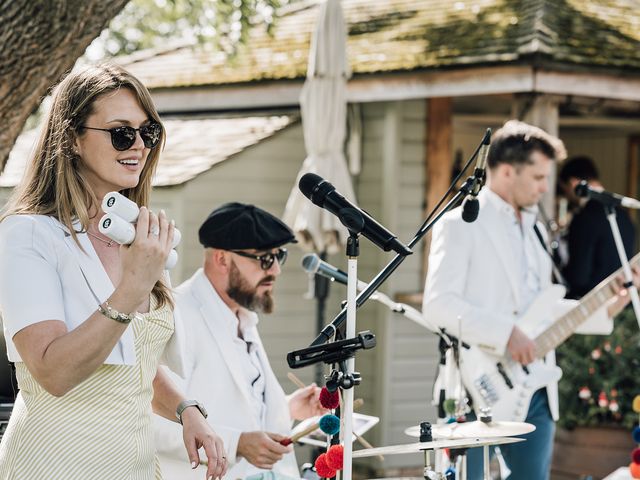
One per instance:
[(214, 379), (472, 277), (45, 275)]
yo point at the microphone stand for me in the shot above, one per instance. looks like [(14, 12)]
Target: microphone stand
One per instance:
[(353, 250), (624, 261), (364, 295), (354, 222)]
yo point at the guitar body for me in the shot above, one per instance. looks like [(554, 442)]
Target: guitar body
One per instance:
[(502, 384)]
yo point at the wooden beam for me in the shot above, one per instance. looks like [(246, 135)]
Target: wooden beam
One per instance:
[(384, 87), (438, 161), (633, 168)]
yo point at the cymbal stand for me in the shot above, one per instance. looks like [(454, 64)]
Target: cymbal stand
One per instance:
[(486, 462)]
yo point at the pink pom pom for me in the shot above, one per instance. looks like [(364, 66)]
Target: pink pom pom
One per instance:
[(335, 457), (322, 469), (635, 455), (329, 400)]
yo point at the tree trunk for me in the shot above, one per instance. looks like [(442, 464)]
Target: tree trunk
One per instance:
[(40, 40)]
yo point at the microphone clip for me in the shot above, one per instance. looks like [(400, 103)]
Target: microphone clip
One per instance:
[(339, 379), (333, 352)]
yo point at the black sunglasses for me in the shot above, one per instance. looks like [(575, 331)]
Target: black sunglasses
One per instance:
[(266, 259), (123, 138)]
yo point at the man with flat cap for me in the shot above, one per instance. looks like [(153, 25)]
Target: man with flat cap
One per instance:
[(227, 367)]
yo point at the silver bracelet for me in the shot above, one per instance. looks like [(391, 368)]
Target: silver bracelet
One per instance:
[(113, 314)]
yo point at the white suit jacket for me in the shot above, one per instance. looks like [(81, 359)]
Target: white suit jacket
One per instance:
[(472, 276), (45, 275), (214, 379)]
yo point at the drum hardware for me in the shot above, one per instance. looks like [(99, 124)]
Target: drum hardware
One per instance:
[(476, 429), (426, 447)]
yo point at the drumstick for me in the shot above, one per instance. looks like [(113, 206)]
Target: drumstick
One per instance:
[(366, 444), (294, 438), (295, 380)]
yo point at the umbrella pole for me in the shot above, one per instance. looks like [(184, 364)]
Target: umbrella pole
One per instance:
[(321, 292)]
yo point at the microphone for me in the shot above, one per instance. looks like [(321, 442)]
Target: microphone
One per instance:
[(608, 199), (471, 206), (324, 195), (312, 264)]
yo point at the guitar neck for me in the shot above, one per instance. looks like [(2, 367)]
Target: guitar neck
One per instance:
[(567, 324)]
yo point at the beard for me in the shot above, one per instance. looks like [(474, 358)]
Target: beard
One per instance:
[(246, 295)]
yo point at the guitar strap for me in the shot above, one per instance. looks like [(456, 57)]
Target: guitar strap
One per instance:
[(556, 270)]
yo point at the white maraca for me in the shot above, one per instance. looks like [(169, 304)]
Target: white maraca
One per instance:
[(117, 223)]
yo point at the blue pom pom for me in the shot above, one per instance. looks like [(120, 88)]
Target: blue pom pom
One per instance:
[(329, 424), (451, 420), (636, 434), (450, 473)]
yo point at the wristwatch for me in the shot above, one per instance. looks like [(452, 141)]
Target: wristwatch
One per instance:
[(189, 403), (113, 314)]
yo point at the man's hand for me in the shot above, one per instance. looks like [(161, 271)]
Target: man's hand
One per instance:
[(521, 347), (305, 403), (261, 449), (622, 297)]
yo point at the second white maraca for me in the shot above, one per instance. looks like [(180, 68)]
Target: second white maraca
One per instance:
[(118, 223)]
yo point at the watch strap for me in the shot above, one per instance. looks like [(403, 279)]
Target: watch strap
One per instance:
[(183, 405)]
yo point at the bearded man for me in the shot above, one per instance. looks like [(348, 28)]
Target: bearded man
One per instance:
[(227, 366)]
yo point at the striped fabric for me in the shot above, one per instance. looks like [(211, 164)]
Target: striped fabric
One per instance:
[(99, 430)]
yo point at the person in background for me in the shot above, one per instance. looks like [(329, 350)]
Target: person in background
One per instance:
[(227, 366), (590, 244), (86, 320)]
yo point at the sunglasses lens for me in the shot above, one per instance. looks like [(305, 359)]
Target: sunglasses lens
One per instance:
[(151, 134), (281, 255), (266, 261), (122, 138)]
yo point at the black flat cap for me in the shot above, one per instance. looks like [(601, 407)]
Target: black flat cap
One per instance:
[(237, 226)]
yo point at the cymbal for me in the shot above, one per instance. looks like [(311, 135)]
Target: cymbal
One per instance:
[(435, 445), (474, 429)]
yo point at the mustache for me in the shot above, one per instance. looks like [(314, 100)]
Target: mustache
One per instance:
[(267, 279)]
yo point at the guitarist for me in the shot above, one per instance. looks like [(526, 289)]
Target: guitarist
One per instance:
[(483, 275)]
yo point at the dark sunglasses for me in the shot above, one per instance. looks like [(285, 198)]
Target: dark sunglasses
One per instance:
[(266, 259), (123, 138)]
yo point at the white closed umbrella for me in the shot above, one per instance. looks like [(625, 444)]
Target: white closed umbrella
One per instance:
[(324, 113)]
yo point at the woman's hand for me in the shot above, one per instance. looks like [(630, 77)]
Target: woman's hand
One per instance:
[(197, 433), (143, 261)]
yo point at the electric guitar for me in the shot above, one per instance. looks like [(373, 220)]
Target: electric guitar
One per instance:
[(505, 385)]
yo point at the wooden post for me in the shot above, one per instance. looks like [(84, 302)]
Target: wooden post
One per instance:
[(633, 167), (438, 161), (541, 111)]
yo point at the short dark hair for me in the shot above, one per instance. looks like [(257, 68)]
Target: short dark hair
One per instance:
[(580, 167), (516, 141)]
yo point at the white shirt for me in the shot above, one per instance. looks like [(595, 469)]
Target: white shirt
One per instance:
[(523, 243), (251, 366)]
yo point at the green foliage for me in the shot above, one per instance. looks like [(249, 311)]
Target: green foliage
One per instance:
[(147, 24), (606, 368)]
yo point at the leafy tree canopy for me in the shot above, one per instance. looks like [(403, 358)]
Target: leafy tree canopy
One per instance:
[(144, 24)]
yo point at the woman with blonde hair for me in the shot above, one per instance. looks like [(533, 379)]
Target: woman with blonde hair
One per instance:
[(87, 321)]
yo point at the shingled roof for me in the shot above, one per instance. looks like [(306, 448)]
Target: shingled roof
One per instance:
[(193, 146), (409, 35)]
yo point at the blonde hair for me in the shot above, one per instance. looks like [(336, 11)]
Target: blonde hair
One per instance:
[(53, 183)]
